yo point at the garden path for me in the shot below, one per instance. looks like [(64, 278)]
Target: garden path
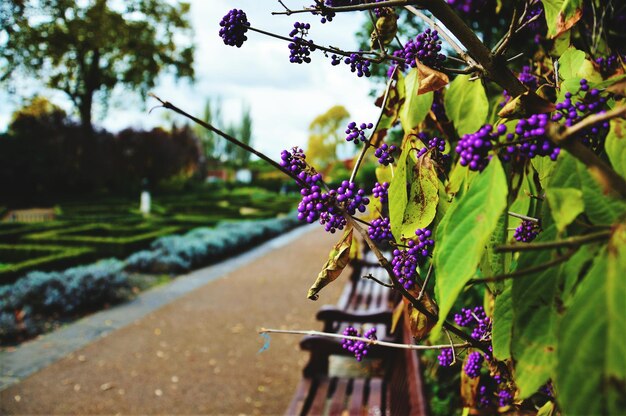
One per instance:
[(198, 354)]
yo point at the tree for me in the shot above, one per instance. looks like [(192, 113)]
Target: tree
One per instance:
[(325, 134), (86, 49)]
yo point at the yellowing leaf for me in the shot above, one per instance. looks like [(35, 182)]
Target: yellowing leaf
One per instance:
[(338, 259)]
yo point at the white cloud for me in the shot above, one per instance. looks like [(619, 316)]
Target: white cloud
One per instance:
[(283, 97)]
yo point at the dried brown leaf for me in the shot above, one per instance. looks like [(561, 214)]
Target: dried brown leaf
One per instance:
[(430, 79), (338, 259)]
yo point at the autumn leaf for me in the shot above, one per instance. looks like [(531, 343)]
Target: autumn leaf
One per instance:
[(430, 79), (338, 259), (419, 324)]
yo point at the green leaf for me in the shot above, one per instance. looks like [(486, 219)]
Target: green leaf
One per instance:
[(384, 174), (561, 15), (502, 324), (565, 205), (415, 107), (423, 197), (591, 372), (615, 145), (338, 259), (398, 194), (574, 267), (544, 168), (570, 62), (546, 410), (466, 104), (600, 208), (574, 65), (463, 234), (498, 262), (534, 319)]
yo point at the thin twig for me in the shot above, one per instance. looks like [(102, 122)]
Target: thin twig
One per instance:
[(504, 42), (170, 106), (590, 121), (428, 273), (524, 272), (380, 282), (523, 217), (366, 340), (380, 117), (384, 263), (571, 242), (451, 347)]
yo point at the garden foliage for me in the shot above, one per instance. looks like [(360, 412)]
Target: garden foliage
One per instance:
[(509, 178)]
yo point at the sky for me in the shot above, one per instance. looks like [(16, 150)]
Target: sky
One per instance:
[(283, 97)]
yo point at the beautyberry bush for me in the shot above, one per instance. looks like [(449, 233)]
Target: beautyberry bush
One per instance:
[(524, 196)]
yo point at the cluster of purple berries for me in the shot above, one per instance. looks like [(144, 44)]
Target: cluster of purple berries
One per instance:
[(358, 348), (590, 102), (353, 199), (505, 398), (385, 154), (405, 261), (357, 133), (326, 206), (380, 229), (233, 28), (426, 48), (531, 140), (295, 162), (381, 191), (474, 148), (300, 49), (476, 317), (526, 231), (446, 357), (473, 365), (435, 146), (332, 221), (609, 64), (358, 64), (313, 203)]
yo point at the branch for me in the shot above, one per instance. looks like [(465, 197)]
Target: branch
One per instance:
[(588, 122), (233, 140), (523, 217), (380, 117), (571, 242), (358, 7), (455, 45), (369, 276), (398, 286), (366, 340), (524, 272)]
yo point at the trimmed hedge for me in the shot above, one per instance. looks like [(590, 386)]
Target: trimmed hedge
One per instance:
[(91, 235), (34, 300), (202, 246), (18, 259)]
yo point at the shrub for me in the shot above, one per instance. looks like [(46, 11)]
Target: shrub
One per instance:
[(31, 302), (201, 246)]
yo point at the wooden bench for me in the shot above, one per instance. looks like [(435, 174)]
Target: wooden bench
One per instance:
[(391, 385)]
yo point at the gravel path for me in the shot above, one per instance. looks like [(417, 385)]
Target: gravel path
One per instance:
[(198, 354)]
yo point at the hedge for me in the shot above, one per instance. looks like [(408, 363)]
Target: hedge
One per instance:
[(38, 297)]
